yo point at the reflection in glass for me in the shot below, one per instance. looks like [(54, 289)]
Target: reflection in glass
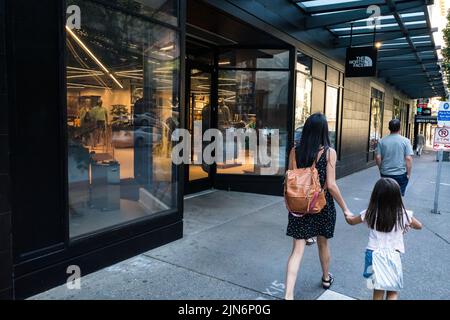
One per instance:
[(302, 103), (163, 10), (304, 63), (376, 118), (252, 100), (254, 58), (331, 112), (122, 106), (199, 110)]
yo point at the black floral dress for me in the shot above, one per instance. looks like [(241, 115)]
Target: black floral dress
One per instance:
[(313, 225)]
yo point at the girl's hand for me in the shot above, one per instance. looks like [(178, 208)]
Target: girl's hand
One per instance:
[(352, 219)]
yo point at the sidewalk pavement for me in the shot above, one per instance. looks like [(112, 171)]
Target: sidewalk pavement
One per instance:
[(235, 248)]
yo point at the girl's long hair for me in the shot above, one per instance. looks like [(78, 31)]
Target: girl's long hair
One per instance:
[(314, 135), (386, 209)]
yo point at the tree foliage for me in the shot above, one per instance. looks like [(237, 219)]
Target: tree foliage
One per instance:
[(446, 50)]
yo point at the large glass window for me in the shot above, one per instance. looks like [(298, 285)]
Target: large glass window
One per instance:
[(162, 10), (318, 95), (122, 107), (252, 100), (254, 58), (302, 103), (401, 113), (331, 112), (376, 120)]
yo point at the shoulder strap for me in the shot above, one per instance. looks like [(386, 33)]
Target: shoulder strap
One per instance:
[(323, 150), (293, 158)]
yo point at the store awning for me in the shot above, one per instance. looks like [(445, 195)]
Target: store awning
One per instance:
[(407, 55)]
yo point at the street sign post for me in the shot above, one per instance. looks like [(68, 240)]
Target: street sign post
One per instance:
[(441, 144)]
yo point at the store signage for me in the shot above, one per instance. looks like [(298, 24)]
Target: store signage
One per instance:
[(444, 114), (426, 119), (361, 62), (426, 112), (442, 139)]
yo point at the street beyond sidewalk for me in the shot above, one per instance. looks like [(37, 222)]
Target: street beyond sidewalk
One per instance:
[(235, 248)]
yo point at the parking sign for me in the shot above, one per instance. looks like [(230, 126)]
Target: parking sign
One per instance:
[(444, 114)]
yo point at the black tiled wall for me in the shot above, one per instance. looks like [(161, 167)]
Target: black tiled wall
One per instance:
[(6, 283)]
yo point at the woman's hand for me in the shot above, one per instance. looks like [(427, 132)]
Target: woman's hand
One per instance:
[(352, 219)]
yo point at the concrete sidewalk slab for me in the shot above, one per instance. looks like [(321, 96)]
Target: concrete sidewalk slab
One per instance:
[(235, 248)]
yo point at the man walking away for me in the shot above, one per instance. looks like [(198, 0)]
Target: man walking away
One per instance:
[(420, 144), (394, 156)]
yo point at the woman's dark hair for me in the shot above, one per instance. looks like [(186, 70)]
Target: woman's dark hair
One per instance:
[(314, 135), (386, 209)]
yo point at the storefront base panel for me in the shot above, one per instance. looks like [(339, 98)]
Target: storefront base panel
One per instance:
[(270, 185), (56, 275)]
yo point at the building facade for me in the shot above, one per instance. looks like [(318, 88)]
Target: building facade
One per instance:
[(91, 92)]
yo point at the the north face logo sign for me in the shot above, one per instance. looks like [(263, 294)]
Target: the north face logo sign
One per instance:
[(361, 62)]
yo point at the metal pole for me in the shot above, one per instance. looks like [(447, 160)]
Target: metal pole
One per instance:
[(438, 182), (351, 34)]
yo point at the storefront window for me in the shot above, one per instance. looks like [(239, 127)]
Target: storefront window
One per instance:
[(318, 96), (163, 10), (401, 113), (252, 100), (304, 63), (254, 58), (122, 106), (376, 119), (331, 111), (302, 103)]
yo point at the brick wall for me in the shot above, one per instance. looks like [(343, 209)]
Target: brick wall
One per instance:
[(6, 284)]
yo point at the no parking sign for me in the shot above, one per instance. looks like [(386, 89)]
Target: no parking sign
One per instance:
[(442, 139)]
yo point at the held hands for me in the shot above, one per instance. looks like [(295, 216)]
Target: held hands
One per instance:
[(348, 216)]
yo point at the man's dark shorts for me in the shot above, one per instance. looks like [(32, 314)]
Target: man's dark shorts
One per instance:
[(402, 181)]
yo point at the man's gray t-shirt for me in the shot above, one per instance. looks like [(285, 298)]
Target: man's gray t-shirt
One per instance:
[(393, 150)]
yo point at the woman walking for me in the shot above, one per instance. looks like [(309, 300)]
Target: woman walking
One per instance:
[(315, 148)]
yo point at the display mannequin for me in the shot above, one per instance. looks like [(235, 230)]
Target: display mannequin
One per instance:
[(224, 114), (100, 117)]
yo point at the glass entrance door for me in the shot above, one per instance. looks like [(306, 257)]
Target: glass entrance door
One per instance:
[(198, 173)]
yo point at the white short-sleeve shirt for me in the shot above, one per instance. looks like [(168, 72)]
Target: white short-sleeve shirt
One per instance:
[(391, 240)]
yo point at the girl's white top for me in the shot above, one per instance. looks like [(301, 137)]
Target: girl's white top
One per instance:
[(390, 240)]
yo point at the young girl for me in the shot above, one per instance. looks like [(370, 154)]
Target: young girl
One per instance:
[(387, 220)]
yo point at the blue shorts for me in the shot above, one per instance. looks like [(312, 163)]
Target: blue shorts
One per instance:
[(402, 181), (368, 270)]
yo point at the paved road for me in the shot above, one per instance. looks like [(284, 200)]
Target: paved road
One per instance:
[(235, 248)]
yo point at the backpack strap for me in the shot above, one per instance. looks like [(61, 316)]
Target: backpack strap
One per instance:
[(323, 150), (293, 159)]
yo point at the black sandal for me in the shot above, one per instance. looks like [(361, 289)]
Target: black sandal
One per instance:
[(326, 284)]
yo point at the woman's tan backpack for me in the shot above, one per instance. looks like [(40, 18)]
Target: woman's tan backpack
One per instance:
[(303, 193)]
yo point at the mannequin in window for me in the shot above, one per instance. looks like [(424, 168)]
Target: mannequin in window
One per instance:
[(100, 116), (224, 114)]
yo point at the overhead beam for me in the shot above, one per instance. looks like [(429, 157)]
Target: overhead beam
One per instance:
[(399, 64), (380, 30), (363, 23), (340, 6), (319, 21), (398, 52), (361, 40)]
